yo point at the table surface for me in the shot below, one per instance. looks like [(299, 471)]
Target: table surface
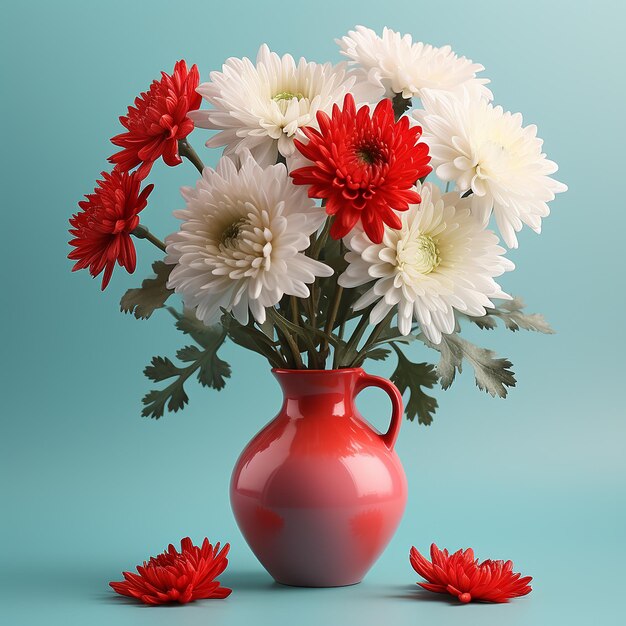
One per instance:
[(575, 582)]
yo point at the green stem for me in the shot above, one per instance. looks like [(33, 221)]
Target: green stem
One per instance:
[(337, 299), (312, 318), (293, 346), (175, 314), (280, 360), (317, 243), (342, 329), (295, 315), (296, 319), (330, 322), (141, 232), (310, 312), (185, 150), (361, 355), (321, 239), (358, 331), (400, 105), (312, 240), (379, 329)]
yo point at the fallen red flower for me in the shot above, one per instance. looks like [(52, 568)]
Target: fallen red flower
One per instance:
[(101, 230), (364, 166), (175, 576), (157, 121), (461, 575)]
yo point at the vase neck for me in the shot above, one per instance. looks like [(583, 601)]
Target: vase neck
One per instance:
[(314, 393)]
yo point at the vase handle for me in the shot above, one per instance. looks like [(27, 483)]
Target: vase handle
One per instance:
[(366, 380)]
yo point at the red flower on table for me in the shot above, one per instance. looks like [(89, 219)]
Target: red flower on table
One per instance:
[(363, 166), (102, 228), (461, 575), (175, 576), (157, 121)]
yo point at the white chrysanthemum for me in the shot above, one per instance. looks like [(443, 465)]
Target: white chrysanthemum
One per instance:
[(394, 64), (441, 259), (487, 150), (240, 244), (262, 107)]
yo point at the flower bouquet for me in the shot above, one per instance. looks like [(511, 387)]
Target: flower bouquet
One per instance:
[(320, 240)]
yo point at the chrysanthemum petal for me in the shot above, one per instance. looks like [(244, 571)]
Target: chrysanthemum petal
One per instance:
[(488, 152), (393, 64), (101, 229), (463, 576), (364, 166), (440, 259), (241, 244), (157, 121), (175, 576)]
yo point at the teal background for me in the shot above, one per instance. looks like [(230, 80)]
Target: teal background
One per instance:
[(90, 488)]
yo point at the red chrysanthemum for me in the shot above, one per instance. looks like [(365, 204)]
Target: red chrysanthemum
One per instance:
[(102, 228), (175, 576), (363, 166), (461, 575), (157, 121)]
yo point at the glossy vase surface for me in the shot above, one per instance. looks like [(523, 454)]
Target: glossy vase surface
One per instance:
[(319, 492)]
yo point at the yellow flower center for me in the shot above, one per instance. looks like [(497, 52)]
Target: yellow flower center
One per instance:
[(287, 95), (419, 255)]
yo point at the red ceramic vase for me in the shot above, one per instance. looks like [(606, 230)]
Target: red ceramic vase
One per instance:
[(319, 492)]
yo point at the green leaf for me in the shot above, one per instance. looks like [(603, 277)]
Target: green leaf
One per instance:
[(392, 335), (173, 395), (377, 354), (450, 361), (351, 355), (160, 368), (211, 370), (414, 377), (492, 374), (189, 353), (485, 322), (209, 337), (268, 329), (306, 336), (250, 338), (512, 314), (333, 253), (153, 293), (344, 355)]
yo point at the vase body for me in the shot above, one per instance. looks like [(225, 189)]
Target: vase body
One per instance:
[(318, 493)]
